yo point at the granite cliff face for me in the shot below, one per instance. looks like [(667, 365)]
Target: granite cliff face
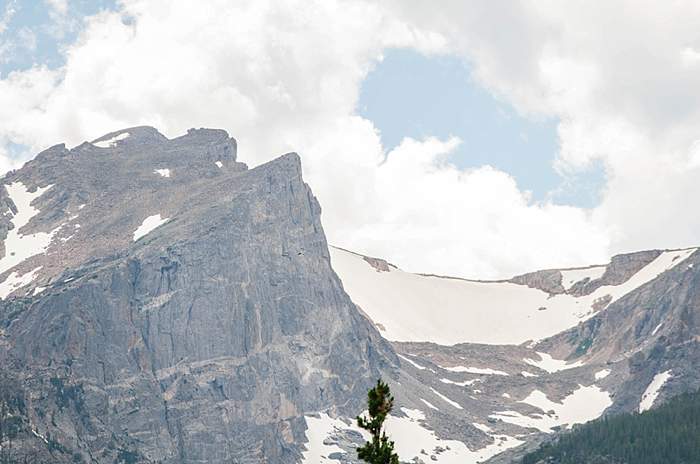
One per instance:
[(180, 307)]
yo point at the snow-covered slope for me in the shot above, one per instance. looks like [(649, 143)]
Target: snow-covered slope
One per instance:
[(413, 307)]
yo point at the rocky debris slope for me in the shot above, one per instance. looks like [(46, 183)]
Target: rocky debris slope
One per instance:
[(579, 343), (162, 303)]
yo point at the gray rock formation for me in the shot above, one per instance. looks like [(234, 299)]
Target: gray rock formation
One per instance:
[(206, 339)]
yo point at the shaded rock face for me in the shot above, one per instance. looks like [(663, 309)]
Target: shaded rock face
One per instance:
[(654, 329), (548, 281), (207, 339)]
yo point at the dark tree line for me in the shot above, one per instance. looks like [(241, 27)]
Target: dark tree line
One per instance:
[(669, 434)]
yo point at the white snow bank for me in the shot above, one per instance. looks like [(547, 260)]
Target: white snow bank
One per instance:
[(461, 384), (413, 363), (410, 436), (318, 429), (582, 405), (652, 391), (446, 399), (19, 247), (474, 370), (429, 404), (448, 311), (148, 225), (600, 375), (162, 172), (571, 277), (15, 281), (111, 142), (551, 365)]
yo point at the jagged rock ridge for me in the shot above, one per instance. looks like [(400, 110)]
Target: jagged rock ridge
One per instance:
[(206, 336)]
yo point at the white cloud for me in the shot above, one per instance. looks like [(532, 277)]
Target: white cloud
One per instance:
[(622, 77), (283, 76), (7, 14)]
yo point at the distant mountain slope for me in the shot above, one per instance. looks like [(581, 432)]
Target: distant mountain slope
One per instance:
[(422, 308), (526, 358), (669, 434)]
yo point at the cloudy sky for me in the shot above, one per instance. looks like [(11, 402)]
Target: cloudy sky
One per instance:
[(478, 139)]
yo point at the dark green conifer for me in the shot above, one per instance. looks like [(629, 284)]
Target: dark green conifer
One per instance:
[(380, 450)]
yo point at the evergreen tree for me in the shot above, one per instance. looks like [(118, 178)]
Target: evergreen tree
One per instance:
[(380, 450)]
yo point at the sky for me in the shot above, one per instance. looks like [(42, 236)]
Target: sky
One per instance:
[(477, 139)]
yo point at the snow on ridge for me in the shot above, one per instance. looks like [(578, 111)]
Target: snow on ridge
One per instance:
[(19, 247), (474, 370), (652, 391), (570, 277), (162, 172), (551, 365), (582, 405), (449, 311), (656, 329), (112, 142), (148, 225)]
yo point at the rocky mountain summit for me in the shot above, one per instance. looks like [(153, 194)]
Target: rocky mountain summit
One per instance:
[(163, 303)]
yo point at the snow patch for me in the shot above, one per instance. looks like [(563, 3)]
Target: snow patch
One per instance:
[(219, 164), (600, 375), (414, 364), (551, 365), (652, 391), (317, 431), (412, 440), (461, 384), (656, 329), (19, 247), (528, 374), (482, 427), (429, 404), (162, 172), (15, 281), (474, 370), (446, 399), (111, 142), (148, 225), (582, 405), (571, 277)]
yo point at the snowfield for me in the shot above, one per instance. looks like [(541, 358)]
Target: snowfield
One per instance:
[(652, 391), (18, 246), (418, 308), (582, 405), (412, 439), (148, 225), (112, 142)]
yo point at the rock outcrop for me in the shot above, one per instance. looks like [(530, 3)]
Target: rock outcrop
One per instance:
[(204, 337)]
